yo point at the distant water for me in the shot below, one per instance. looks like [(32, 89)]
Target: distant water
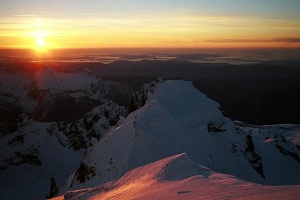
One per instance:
[(232, 56)]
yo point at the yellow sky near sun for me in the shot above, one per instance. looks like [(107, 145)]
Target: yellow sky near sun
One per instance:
[(169, 31)]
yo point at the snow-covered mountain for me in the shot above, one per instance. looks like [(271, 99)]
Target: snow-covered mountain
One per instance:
[(51, 95), (175, 141), (38, 151), (32, 151), (177, 118)]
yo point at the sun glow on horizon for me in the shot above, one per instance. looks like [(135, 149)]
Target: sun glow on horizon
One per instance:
[(39, 45), (41, 42), (137, 30), (40, 36)]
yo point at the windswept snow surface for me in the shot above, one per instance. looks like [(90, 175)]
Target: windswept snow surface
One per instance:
[(177, 118), (178, 177)]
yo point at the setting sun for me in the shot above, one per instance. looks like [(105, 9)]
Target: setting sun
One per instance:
[(41, 46), (41, 42)]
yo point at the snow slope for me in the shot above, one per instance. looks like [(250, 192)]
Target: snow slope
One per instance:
[(38, 151), (14, 89), (176, 118), (30, 157), (178, 177)]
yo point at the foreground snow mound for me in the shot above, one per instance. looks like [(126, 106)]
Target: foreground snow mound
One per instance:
[(180, 167), (177, 118), (174, 168), (177, 167), (178, 177)]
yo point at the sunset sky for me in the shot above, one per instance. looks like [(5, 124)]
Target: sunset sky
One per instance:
[(145, 23)]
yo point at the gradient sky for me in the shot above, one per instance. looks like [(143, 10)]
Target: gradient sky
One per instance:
[(145, 23)]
